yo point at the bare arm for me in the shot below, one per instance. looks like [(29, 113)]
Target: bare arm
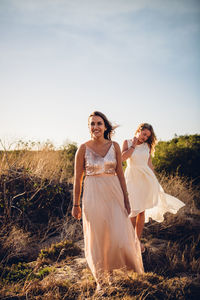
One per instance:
[(120, 175), (78, 178), (127, 152), (149, 160), (150, 163)]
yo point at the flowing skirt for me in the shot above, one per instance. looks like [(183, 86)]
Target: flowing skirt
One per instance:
[(146, 194), (110, 240)]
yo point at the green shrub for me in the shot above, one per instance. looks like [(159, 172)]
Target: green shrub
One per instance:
[(44, 272), (16, 272), (60, 251), (179, 156)]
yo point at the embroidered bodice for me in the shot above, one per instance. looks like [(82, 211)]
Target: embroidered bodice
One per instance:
[(95, 164)]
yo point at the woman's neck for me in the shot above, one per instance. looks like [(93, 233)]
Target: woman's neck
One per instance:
[(99, 141)]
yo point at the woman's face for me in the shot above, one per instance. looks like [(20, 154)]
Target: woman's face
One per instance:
[(143, 135), (96, 126)]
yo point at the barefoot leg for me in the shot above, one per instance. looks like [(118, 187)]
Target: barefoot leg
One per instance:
[(133, 221), (140, 224)]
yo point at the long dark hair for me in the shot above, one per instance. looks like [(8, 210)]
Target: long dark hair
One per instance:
[(109, 128)]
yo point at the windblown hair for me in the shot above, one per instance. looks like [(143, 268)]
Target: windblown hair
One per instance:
[(152, 140), (110, 129)]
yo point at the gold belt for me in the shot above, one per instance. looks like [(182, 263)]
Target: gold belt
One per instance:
[(102, 174)]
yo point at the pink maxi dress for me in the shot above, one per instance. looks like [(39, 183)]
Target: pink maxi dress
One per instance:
[(110, 240)]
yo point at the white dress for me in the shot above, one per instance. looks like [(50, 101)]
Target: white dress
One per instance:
[(145, 192)]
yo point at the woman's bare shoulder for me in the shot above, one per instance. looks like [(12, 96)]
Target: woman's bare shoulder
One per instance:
[(126, 141), (115, 143), (125, 145), (117, 147), (88, 143), (81, 149)]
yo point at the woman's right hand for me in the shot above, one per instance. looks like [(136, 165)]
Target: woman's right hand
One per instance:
[(76, 212), (134, 141)]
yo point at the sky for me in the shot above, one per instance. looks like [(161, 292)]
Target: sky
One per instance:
[(134, 60)]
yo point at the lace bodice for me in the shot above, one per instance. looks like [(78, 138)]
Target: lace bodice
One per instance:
[(95, 164)]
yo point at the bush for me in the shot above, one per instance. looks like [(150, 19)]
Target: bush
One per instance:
[(60, 251), (179, 156), (16, 272), (35, 186), (31, 201)]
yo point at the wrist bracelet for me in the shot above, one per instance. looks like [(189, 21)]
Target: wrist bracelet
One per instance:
[(132, 147), (76, 205)]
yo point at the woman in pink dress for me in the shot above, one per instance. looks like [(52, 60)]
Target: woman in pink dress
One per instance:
[(109, 237)]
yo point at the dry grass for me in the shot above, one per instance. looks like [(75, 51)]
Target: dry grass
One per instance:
[(16, 245), (183, 189), (124, 286), (41, 161), (171, 259), (35, 188)]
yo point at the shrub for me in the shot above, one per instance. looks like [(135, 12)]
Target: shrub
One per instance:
[(16, 272), (179, 156), (60, 251)]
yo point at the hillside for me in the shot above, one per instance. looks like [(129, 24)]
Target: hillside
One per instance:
[(41, 245)]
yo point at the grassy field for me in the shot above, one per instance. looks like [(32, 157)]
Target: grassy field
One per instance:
[(41, 245)]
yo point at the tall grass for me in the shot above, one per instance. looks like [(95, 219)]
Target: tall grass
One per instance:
[(37, 261), (43, 161)]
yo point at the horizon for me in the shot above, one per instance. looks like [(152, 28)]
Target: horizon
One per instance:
[(40, 145)]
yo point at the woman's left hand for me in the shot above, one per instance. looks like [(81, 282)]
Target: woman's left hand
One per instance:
[(76, 212)]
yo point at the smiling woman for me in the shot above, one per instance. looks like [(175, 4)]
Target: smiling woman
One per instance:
[(98, 122), (110, 240)]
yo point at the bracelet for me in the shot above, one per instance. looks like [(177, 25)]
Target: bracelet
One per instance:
[(76, 205), (132, 147)]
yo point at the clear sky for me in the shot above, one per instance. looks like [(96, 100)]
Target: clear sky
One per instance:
[(134, 60)]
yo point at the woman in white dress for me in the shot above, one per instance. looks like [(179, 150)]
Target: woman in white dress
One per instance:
[(109, 237), (146, 196)]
